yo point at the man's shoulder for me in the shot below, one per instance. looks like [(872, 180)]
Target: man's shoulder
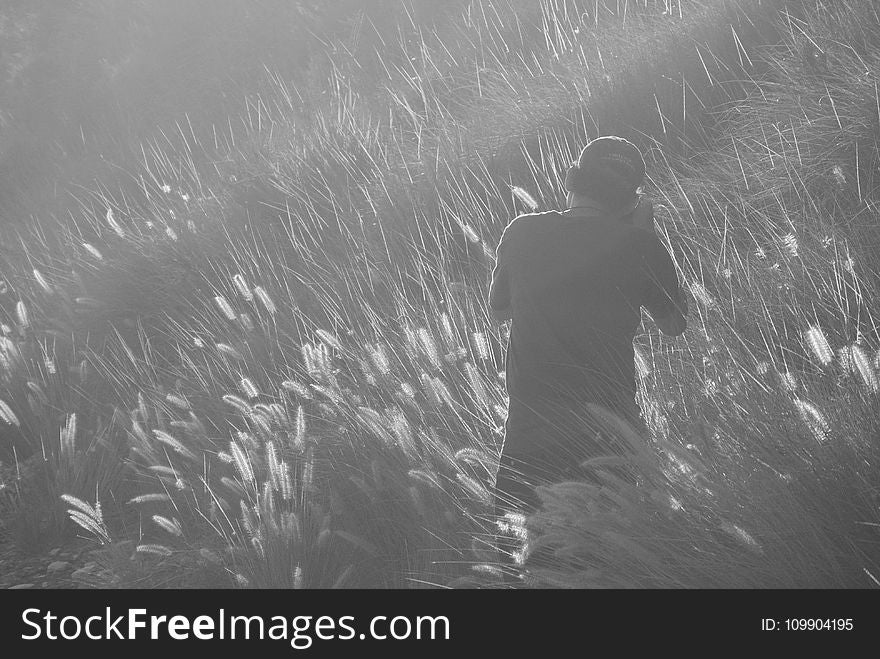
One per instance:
[(527, 221)]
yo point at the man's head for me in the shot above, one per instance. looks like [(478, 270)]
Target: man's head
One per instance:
[(609, 170)]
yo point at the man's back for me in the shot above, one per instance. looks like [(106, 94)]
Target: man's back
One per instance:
[(574, 285)]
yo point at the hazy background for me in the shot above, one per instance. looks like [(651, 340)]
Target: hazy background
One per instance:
[(83, 82)]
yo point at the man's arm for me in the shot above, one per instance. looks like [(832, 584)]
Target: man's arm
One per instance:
[(499, 289), (663, 297), (499, 293)]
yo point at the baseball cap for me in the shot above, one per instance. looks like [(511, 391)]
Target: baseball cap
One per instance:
[(615, 156)]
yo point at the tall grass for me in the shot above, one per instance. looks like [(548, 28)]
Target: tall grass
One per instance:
[(287, 324)]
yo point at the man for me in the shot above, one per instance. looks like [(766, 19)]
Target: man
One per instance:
[(573, 283)]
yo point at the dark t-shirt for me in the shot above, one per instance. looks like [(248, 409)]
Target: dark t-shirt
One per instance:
[(574, 285)]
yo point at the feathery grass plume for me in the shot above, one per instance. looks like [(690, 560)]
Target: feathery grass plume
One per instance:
[(240, 404), (288, 485), (477, 384), (142, 410), (329, 393), (375, 423), (113, 224), (308, 471), (862, 365), (489, 569), (82, 506), (41, 280), (379, 357), (329, 339), (298, 388), (844, 355), (447, 331), (225, 308), (469, 233), (789, 381), (266, 301), (21, 314), (8, 348), (96, 528), (172, 526), (159, 550), (273, 465), (429, 347), (171, 233), (481, 345), (178, 401), (527, 199), (413, 345), (310, 359), (742, 536), (91, 249), (227, 349), (818, 344), (429, 389), (138, 430), (476, 488), (702, 295), (408, 394), (162, 469), (367, 372), (246, 321), (242, 462), (402, 432), (790, 244), (278, 414), (299, 437), (442, 392), (515, 523), (242, 287), (87, 517), (7, 415), (174, 444), (38, 392), (427, 477), (813, 419), (475, 457), (247, 440), (267, 502), (248, 388), (49, 362), (68, 435), (643, 368), (155, 497)]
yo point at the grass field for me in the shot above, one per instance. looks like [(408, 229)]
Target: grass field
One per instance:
[(259, 353)]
